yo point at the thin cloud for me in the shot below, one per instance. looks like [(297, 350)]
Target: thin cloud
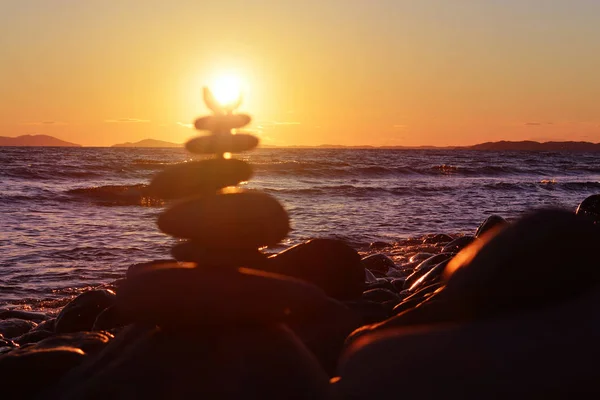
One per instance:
[(44, 123), (533, 123), (126, 120), (185, 125)]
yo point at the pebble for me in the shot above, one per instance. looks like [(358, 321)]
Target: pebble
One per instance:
[(198, 177), (244, 219), (13, 327), (378, 263), (222, 123), (217, 144)]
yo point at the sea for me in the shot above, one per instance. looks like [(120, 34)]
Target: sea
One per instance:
[(75, 218)]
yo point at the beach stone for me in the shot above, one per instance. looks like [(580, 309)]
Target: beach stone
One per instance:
[(381, 283), (198, 177), (369, 277), (181, 298), (222, 123), (26, 315), (109, 319), (13, 327), (190, 251), (25, 373), (267, 362), (550, 353), (420, 257), (378, 262), (398, 284), (47, 325), (216, 144), (491, 222), (242, 219), (540, 260), (437, 238), (369, 312), (142, 268), (590, 207), (33, 336), (329, 264), (458, 244), (379, 245), (430, 277), (81, 312), (88, 342), (424, 267), (380, 295)]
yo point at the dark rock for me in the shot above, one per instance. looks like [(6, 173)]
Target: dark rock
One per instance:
[(216, 297), (432, 276), (369, 277), (244, 219), (328, 263), (198, 177), (26, 315), (379, 245), (258, 363), (109, 319), (13, 327), (381, 283), (190, 251), (81, 312), (378, 262), (142, 268), (47, 325), (398, 284), (590, 207), (369, 312), (33, 336), (419, 257), (219, 123), (542, 259), (215, 144), (438, 238), (37, 368), (491, 222), (88, 342), (6, 344), (550, 353), (458, 244), (425, 267), (380, 295)]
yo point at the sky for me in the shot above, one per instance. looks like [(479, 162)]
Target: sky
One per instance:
[(348, 72)]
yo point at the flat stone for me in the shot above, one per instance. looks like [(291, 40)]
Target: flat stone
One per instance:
[(192, 252), (26, 315), (240, 219), (13, 327), (198, 177), (33, 336), (88, 342), (217, 296), (222, 143), (142, 268), (222, 123)]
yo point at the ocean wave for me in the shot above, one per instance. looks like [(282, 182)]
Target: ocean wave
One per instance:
[(118, 195)]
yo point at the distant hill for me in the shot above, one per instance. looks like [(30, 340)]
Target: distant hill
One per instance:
[(148, 143), (536, 146), (35, 140)]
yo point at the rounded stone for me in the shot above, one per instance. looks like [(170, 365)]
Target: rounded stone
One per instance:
[(379, 263), (190, 251), (458, 244), (222, 143), (216, 296), (222, 123), (590, 207), (81, 312), (491, 222), (198, 177), (239, 219), (142, 268)]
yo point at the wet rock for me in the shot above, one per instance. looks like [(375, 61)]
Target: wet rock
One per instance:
[(248, 219), (432, 276), (369, 277), (183, 298), (398, 284), (13, 327), (425, 267), (381, 283), (438, 238), (141, 268), (38, 368), (109, 319), (198, 177), (6, 345), (458, 244), (379, 263), (491, 222), (26, 315), (261, 363), (33, 336), (543, 259), (218, 123), (81, 312), (590, 207), (215, 144), (379, 245), (47, 325), (88, 342), (330, 264), (190, 251), (380, 295), (419, 257)]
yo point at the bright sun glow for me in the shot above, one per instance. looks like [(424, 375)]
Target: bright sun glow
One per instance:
[(227, 89)]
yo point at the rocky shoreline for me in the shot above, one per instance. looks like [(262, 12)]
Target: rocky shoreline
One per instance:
[(507, 311)]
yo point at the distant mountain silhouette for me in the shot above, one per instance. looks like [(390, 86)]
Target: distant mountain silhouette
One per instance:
[(35, 140), (148, 143), (536, 146)]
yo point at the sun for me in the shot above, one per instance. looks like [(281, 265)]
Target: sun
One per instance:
[(227, 89)]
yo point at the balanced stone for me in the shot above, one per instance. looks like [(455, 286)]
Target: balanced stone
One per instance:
[(190, 251), (590, 207), (240, 219), (222, 123), (198, 177), (222, 143)]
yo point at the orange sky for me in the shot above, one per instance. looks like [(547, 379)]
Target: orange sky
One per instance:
[(353, 72)]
